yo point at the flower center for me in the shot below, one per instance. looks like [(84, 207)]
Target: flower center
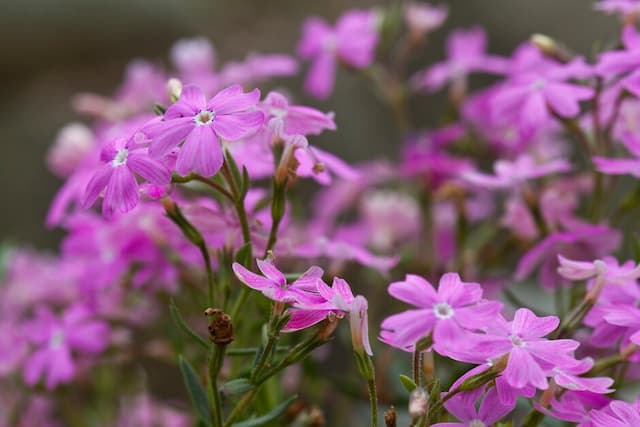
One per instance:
[(56, 340), (204, 117), (443, 310), (120, 158), (477, 423), (538, 84), (517, 341)]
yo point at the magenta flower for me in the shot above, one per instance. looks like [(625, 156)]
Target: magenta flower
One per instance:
[(229, 115), (423, 18), (352, 41), (623, 62), (531, 356), (537, 87), (491, 410), (621, 166), (567, 377), (273, 284), (450, 314), (124, 158), (515, 174), (574, 406), (623, 7), (58, 341), (466, 53), (617, 414)]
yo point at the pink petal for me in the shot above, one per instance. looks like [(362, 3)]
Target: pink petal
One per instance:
[(414, 290), (233, 127), (98, 183), (522, 370), (122, 192), (528, 325), (151, 170), (321, 75), (251, 279), (191, 101), (270, 270), (302, 319), (232, 100), (201, 153), (174, 132)]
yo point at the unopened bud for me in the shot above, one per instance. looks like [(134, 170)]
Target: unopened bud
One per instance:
[(418, 402), (550, 48), (174, 89), (390, 417), (220, 328)]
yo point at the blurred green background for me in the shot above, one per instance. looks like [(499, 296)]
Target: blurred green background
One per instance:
[(51, 49)]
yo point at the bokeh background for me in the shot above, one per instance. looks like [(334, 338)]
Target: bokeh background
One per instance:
[(51, 49)]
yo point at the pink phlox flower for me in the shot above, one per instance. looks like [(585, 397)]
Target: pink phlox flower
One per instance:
[(582, 242), (195, 60), (609, 268), (531, 356), (512, 175), (623, 62), (323, 166), (568, 377), (257, 68), (144, 85), (125, 158), (295, 119), (229, 115), (352, 41), (273, 283), (574, 406), (518, 218), (58, 341), (73, 144), (622, 7), (617, 414), (423, 18), (490, 411), (613, 166), (466, 53), (450, 314), (536, 87)]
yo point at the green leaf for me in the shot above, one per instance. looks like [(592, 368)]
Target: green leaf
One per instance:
[(233, 168), (272, 415), (237, 386), (246, 182), (180, 323), (408, 383), (243, 256), (196, 391)]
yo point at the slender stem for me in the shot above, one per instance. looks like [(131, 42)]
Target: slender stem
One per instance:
[(417, 366), (207, 181), (216, 357), (373, 401), (241, 406)]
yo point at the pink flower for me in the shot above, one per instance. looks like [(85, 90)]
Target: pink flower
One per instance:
[(58, 341), (73, 144), (617, 414), (124, 158), (515, 174), (623, 62), (567, 377), (423, 18), (273, 284), (574, 406), (531, 356), (491, 410), (450, 314), (229, 115), (466, 53), (352, 41), (623, 7), (621, 166)]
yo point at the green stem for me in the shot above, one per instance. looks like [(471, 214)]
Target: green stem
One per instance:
[(240, 407), (216, 358)]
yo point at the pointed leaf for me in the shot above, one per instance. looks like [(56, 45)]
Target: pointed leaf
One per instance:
[(180, 323), (237, 386), (196, 391), (408, 383)]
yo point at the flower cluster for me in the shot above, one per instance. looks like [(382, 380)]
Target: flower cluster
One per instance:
[(182, 187)]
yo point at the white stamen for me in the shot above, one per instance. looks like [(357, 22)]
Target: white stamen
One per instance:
[(57, 339), (443, 310), (517, 341), (120, 158), (204, 117), (538, 84)]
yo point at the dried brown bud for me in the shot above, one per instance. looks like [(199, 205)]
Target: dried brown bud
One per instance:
[(390, 417), (220, 328)]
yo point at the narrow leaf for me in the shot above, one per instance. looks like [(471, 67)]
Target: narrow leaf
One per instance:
[(196, 391), (179, 321), (243, 256)]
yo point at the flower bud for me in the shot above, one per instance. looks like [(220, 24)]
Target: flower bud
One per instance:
[(174, 89), (72, 145), (418, 402), (550, 48)]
